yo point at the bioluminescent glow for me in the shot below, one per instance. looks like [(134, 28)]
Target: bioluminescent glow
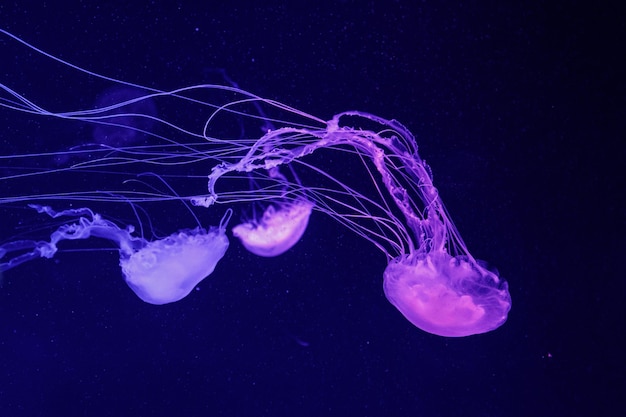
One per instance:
[(160, 154), (277, 230)]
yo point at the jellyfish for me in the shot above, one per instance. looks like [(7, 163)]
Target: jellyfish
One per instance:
[(159, 272), (278, 229), (447, 295), (282, 223), (431, 277)]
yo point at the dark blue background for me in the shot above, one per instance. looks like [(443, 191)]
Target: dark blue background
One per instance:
[(519, 110)]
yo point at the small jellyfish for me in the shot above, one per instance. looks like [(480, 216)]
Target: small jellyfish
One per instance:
[(277, 231), (159, 272)]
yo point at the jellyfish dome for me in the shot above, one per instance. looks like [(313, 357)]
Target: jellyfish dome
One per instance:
[(447, 296), (277, 231), (166, 270)]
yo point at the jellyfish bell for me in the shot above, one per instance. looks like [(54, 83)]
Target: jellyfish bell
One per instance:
[(447, 295), (166, 270), (278, 229)]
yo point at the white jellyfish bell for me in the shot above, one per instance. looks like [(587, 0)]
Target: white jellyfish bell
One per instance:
[(277, 230)]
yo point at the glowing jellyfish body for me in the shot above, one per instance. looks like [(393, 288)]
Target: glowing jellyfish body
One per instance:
[(277, 231), (382, 190), (445, 295), (159, 272), (167, 270)]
